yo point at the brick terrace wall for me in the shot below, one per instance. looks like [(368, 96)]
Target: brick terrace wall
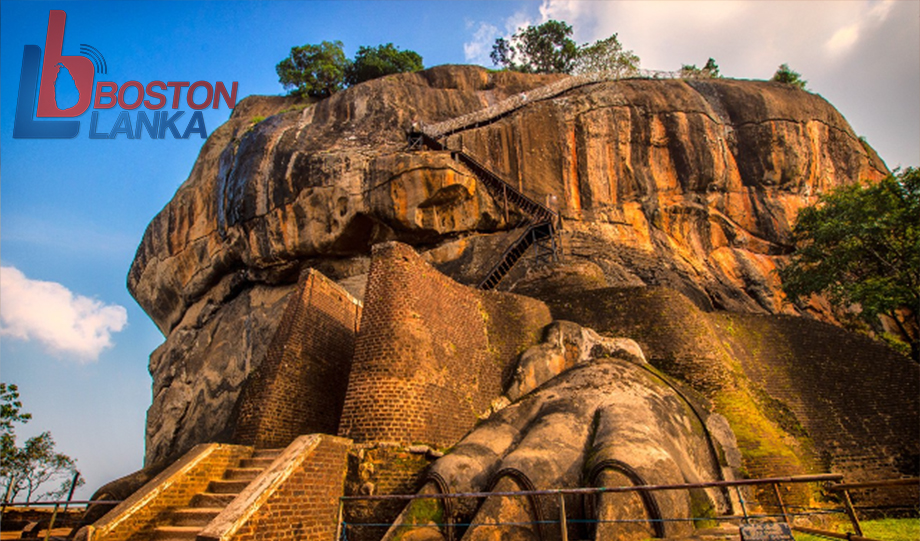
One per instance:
[(858, 399), (136, 517), (300, 385), (305, 504), (852, 404), (431, 353)]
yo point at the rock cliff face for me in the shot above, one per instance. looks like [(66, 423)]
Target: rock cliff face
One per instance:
[(690, 184)]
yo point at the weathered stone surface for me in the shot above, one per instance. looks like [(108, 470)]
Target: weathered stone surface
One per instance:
[(565, 344), (319, 180), (603, 417), (688, 184), (692, 184), (199, 371)]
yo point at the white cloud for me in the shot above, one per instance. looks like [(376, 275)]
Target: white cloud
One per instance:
[(843, 39), (867, 18), (477, 50), (51, 314), (560, 10)]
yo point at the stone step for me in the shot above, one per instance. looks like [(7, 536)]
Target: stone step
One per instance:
[(210, 499), (227, 486), (242, 474), (194, 516), (267, 453), (260, 463), (175, 533)]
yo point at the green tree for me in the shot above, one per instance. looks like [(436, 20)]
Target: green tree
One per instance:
[(860, 247), (317, 71), (25, 470), (373, 62), (10, 408), (711, 69), (606, 55), (785, 74), (547, 48)]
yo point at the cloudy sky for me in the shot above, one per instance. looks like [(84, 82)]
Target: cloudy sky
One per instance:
[(73, 211)]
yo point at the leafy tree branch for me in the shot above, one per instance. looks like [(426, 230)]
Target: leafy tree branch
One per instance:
[(26, 472), (860, 247)]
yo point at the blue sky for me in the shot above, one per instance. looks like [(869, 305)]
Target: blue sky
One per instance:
[(73, 211)]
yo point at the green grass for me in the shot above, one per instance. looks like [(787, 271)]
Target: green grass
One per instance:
[(889, 529)]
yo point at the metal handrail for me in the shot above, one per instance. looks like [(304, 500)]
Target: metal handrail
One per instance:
[(817, 478), (59, 502), (907, 481), (525, 237), (505, 185)]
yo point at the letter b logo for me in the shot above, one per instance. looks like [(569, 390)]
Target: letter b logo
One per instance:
[(80, 68)]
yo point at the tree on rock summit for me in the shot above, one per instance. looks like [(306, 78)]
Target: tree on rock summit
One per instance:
[(549, 48), (373, 62), (608, 56), (785, 74), (319, 71)]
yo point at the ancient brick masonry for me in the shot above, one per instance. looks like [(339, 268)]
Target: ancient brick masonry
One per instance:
[(300, 386), (850, 404), (858, 400), (306, 505), (431, 353)]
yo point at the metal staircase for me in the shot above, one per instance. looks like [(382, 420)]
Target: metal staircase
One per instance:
[(540, 224)]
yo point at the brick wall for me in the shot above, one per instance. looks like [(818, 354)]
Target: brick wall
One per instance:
[(431, 353), (376, 468), (174, 487), (300, 385), (858, 401), (305, 504), (836, 400)]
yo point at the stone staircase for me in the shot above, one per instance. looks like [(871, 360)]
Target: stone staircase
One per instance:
[(184, 524)]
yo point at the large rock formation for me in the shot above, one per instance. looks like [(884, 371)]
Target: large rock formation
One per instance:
[(690, 184)]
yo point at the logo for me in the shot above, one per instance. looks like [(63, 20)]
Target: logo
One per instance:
[(44, 77)]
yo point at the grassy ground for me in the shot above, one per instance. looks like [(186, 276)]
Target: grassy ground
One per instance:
[(889, 529)]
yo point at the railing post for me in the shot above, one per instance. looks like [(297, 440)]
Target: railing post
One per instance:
[(741, 499), (73, 486), (51, 523), (852, 513), (562, 522), (782, 506), (338, 524)]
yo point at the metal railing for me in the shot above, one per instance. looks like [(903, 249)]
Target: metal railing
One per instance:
[(787, 513), (844, 489), (540, 223), (58, 504), (486, 115)]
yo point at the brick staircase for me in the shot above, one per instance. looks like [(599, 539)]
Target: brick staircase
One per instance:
[(187, 522)]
